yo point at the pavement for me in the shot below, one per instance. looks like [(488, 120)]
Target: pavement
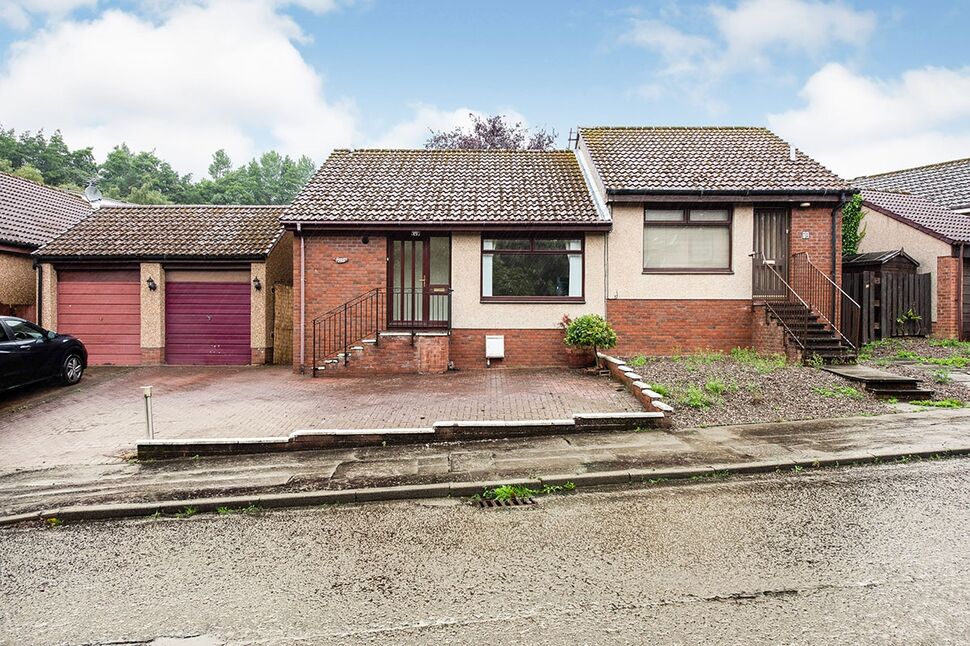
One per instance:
[(595, 458), (869, 555), (100, 420)]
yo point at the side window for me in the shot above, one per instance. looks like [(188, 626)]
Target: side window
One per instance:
[(3, 333), (24, 331)]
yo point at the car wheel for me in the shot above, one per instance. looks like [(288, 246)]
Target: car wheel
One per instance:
[(72, 370)]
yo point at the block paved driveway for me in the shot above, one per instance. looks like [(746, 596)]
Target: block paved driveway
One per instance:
[(100, 420)]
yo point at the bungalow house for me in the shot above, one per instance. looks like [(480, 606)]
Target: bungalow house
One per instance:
[(31, 215), (175, 284), (685, 238), (935, 237)]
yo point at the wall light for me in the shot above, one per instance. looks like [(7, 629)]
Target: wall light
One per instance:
[(152, 285), (256, 284), (805, 205)]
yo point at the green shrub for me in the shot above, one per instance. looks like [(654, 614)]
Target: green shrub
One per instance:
[(661, 390), (718, 388), (694, 397), (590, 331), (763, 363), (938, 403), (638, 361)]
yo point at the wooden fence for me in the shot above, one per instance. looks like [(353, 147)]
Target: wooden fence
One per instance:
[(283, 324), (893, 304)]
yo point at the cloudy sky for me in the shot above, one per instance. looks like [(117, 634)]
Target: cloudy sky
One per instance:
[(863, 86)]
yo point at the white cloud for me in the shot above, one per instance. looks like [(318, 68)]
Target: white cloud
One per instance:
[(860, 125), (413, 132), (17, 13), (200, 77), (751, 34)]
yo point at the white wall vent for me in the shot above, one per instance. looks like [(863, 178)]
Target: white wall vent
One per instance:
[(494, 347)]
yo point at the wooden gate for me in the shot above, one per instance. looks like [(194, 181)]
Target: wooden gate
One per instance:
[(282, 324), (893, 304)]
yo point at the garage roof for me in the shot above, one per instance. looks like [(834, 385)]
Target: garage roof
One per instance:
[(921, 213), (197, 231), (32, 214)]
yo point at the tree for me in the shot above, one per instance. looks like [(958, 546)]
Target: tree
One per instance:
[(493, 132), (853, 231), (145, 194), (590, 331), (221, 164), (29, 172), (5, 166)]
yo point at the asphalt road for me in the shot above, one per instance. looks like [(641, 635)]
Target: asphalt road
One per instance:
[(865, 555)]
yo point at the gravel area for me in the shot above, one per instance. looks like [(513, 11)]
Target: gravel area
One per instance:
[(903, 356), (716, 389)]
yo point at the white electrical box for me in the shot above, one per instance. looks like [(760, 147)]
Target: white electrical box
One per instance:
[(494, 347)]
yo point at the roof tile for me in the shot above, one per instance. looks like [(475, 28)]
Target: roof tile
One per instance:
[(946, 183), (922, 212), (708, 159), (171, 231), (446, 186), (32, 214)]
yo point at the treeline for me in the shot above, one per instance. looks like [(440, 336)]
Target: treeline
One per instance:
[(143, 178)]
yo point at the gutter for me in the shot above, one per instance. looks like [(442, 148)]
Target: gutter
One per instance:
[(148, 258), (731, 192), (40, 292)]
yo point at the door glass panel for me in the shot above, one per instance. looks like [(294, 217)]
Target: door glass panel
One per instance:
[(440, 277), (417, 296), (397, 251)]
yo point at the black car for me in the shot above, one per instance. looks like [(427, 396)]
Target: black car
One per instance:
[(29, 353)]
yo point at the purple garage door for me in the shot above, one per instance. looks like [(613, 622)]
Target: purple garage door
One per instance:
[(207, 323)]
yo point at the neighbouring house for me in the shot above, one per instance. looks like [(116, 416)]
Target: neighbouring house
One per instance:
[(945, 183), (31, 215), (685, 238), (934, 236), (719, 236), (175, 284)]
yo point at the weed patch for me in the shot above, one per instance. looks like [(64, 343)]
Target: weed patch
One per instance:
[(938, 403)]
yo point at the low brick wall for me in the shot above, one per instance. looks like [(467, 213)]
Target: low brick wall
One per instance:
[(650, 400), (396, 354), (673, 326)]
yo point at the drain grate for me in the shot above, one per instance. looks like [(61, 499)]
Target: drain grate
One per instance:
[(483, 503)]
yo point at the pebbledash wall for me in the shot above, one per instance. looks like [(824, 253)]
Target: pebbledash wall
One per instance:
[(667, 313)]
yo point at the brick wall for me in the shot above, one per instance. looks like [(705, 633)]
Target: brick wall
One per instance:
[(947, 298), (669, 326), (396, 355), (329, 283), (769, 337), (523, 349), (817, 220)]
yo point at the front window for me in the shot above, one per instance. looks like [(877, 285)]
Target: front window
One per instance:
[(687, 239), (532, 268)]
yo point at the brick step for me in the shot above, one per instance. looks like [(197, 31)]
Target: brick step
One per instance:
[(902, 394)]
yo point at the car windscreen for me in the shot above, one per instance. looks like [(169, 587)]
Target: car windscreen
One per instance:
[(23, 331)]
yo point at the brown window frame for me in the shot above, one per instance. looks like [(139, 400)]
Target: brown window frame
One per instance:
[(685, 220), (532, 237)]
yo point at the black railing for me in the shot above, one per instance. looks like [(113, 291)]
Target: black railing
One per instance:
[(337, 331), (836, 308), (783, 302)]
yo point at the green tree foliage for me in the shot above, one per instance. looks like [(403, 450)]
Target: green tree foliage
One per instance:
[(143, 178), (853, 231), (29, 172)]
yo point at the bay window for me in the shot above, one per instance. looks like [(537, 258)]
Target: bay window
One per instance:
[(687, 239), (532, 268)]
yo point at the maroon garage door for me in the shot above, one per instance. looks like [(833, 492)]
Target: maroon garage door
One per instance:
[(207, 323), (103, 309)]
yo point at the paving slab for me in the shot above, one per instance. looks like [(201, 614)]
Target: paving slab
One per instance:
[(785, 443)]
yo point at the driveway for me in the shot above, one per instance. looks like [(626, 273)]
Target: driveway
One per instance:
[(100, 420)]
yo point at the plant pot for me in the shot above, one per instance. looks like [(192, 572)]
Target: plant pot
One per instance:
[(579, 357)]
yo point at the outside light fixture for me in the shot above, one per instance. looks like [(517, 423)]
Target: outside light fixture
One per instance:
[(805, 205), (256, 284), (152, 285)]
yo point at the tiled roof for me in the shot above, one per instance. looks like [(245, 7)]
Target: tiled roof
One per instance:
[(446, 186), (708, 159), (922, 212), (171, 231), (32, 214), (946, 183)]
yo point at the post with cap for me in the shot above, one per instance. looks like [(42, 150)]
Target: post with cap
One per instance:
[(147, 392)]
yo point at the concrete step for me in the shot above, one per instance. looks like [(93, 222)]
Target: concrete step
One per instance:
[(902, 394)]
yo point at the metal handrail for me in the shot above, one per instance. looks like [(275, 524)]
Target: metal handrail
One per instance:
[(802, 264), (806, 310)]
